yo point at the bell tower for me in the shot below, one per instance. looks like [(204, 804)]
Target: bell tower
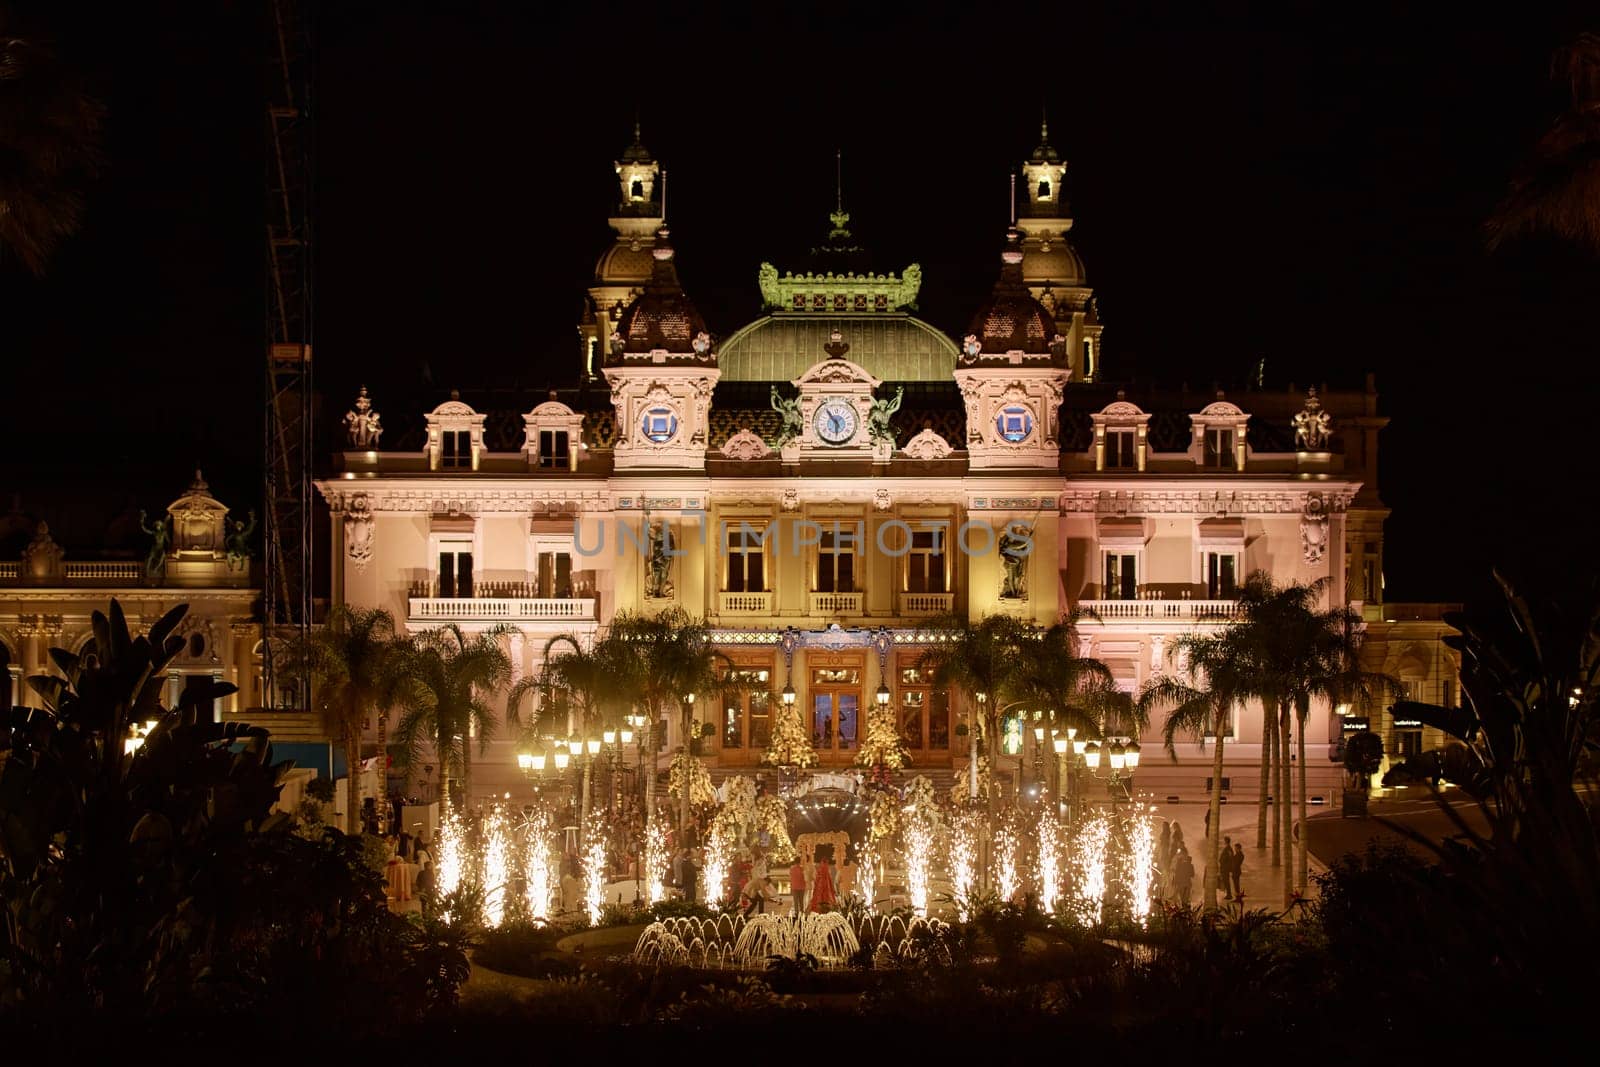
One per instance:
[(1051, 267), (623, 269)]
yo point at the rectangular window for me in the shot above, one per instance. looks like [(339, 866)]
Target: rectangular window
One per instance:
[(1219, 449), (455, 448), (555, 576), (1407, 743), (836, 562), (925, 563), (455, 571), (1119, 450), (1221, 575), (746, 565), (1121, 577), (553, 448), (1088, 358), (1369, 580), (1230, 728)]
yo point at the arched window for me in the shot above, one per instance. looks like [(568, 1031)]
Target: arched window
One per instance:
[(636, 189), (1044, 188)]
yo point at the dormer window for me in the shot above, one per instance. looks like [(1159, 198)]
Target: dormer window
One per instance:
[(636, 189), (553, 448), (455, 448), (1219, 449), (1120, 450), (1044, 189)]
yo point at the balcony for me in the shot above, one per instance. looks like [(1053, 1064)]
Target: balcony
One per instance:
[(836, 603), (926, 603), (88, 572), (1138, 611), (500, 609), (744, 603)]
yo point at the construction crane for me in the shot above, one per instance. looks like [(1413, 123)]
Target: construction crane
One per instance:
[(288, 446)]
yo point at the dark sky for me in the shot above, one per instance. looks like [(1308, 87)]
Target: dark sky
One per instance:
[(1312, 194)]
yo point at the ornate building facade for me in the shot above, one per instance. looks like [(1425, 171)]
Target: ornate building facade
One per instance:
[(822, 481)]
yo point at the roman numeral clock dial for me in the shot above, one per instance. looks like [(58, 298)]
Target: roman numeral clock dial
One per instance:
[(836, 422)]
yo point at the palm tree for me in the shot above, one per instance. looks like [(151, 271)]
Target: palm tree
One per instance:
[(661, 659), (357, 665), (1072, 690), (1201, 703), (448, 675), (981, 660), (1556, 191), (587, 673), (50, 129)]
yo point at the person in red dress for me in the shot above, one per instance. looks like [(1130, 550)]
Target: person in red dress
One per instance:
[(822, 892)]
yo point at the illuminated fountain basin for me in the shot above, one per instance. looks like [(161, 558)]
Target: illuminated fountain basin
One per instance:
[(735, 942)]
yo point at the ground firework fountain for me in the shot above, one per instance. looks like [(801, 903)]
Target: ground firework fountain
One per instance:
[(1007, 874), (655, 861), (963, 860), (1088, 864), (497, 867), (452, 853), (538, 864), (1049, 835), (1140, 867), (594, 868)]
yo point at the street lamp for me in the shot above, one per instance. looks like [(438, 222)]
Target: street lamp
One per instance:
[(788, 695), (882, 695), (609, 737), (562, 759)]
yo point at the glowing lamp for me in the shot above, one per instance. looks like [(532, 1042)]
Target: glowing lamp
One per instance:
[(562, 759), (610, 737), (1118, 756), (524, 762), (575, 746), (883, 695), (130, 746), (1091, 754), (537, 762), (688, 698), (983, 698), (594, 746), (1038, 734), (1072, 732), (1130, 755), (627, 736), (788, 695), (1078, 745), (1060, 746)]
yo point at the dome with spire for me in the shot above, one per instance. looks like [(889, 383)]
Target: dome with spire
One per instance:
[(662, 318), (1011, 320)]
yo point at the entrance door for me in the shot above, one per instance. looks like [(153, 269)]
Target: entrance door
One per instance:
[(923, 714), (835, 713)]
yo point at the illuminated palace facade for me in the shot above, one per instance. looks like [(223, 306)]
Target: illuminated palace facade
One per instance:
[(837, 472)]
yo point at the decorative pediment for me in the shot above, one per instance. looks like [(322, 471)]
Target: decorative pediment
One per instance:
[(927, 445), (453, 408), (552, 410), (1222, 410), (837, 372), (746, 445)]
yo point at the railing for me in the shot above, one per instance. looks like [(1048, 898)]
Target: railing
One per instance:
[(836, 603), (499, 608), (926, 603), (1113, 611), (745, 603), (102, 571), (10, 570)]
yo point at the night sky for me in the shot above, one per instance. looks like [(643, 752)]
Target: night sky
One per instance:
[(1312, 196)]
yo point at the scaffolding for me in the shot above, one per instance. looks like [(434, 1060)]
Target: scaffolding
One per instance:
[(289, 423)]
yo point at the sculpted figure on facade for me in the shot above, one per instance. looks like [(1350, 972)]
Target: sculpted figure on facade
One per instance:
[(361, 423), (878, 419), (42, 557), (238, 542), (658, 584), (1312, 426), (1314, 528), (1014, 546), (358, 531), (155, 561), (788, 409)]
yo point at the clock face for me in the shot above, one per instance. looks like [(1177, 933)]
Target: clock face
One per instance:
[(836, 422), (659, 424), (1014, 423)]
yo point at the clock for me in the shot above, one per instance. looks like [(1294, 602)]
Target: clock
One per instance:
[(836, 422), (1014, 423), (659, 425)]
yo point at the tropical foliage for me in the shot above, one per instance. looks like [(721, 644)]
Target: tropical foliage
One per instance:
[(446, 698)]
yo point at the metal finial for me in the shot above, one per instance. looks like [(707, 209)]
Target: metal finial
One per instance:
[(838, 179)]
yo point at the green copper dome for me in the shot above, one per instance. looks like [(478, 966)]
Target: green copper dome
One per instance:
[(891, 346)]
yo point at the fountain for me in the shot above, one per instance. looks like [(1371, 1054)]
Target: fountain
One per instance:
[(829, 937)]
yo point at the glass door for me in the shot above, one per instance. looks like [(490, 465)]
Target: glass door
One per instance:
[(835, 713)]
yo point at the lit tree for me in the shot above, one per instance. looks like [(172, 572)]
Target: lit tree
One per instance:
[(883, 746), (790, 745)]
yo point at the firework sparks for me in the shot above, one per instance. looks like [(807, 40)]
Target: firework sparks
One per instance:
[(452, 855), (867, 870), (963, 862), (594, 869), (719, 861), (655, 861), (1089, 867), (496, 868), (1140, 866), (538, 865), (919, 861), (1007, 879), (1049, 859)]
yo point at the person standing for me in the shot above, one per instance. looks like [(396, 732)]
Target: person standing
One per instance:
[(811, 881), (823, 890), (1225, 867), (1236, 871), (797, 886), (1183, 877)]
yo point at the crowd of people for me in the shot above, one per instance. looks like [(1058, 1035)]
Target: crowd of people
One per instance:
[(1175, 867)]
